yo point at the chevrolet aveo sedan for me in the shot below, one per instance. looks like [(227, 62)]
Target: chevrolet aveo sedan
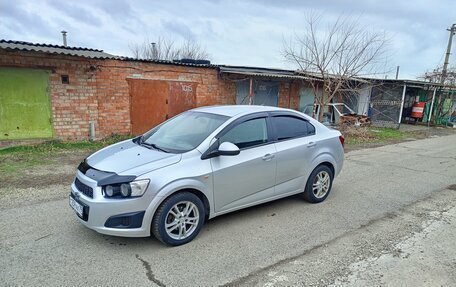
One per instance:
[(203, 163)]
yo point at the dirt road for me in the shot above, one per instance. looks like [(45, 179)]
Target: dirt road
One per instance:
[(390, 220)]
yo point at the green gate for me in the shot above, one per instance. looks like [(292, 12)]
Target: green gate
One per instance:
[(25, 110)]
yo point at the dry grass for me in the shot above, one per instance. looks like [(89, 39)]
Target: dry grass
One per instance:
[(356, 135)]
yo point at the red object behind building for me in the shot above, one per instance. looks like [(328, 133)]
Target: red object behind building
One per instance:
[(418, 110)]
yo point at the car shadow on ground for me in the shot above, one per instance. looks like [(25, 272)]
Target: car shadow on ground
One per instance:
[(226, 223)]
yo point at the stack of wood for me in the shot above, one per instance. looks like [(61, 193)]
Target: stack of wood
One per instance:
[(355, 120)]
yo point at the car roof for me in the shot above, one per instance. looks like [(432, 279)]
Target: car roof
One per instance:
[(233, 110)]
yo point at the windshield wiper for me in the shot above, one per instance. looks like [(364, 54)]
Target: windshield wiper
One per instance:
[(154, 146)]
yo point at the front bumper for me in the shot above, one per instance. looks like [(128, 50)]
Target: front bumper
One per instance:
[(101, 209)]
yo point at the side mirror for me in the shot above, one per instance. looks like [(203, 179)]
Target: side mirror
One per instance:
[(227, 148)]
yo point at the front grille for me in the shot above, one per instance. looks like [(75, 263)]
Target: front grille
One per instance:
[(86, 190)]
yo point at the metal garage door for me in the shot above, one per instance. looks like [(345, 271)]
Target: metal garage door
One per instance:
[(25, 109), (307, 100), (154, 101), (265, 93)]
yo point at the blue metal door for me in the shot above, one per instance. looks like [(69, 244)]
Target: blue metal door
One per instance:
[(265, 93)]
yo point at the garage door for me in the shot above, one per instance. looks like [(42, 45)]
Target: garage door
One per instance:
[(25, 110), (154, 101), (265, 93)]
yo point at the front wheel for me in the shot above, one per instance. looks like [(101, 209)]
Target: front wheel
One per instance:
[(319, 184), (178, 219)]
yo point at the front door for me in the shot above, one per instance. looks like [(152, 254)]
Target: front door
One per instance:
[(250, 176)]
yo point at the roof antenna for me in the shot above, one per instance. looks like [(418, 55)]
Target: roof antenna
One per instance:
[(64, 34)]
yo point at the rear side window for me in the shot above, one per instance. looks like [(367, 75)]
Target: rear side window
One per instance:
[(287, 127), (247, 134), (310, 129)]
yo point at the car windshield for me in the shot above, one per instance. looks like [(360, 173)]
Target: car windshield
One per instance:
[(182, 133)]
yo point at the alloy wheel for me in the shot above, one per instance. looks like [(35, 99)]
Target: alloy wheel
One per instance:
[(182, 220), (321, 184)]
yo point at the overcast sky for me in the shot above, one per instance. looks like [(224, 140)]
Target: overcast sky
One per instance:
[(248, 33)]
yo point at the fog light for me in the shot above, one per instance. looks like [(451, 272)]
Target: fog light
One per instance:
[(125, 189)]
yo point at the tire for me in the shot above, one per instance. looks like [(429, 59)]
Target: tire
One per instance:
[(312, 192), (179, 219)]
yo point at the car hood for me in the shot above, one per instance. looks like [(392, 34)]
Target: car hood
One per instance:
[(124, 156)]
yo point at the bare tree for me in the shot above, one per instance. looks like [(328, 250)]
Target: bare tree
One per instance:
[(166, 49), (333, 57), (436, 76)]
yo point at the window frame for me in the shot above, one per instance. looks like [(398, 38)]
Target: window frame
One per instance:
[(270, 139), (268, 131), (291, 115)]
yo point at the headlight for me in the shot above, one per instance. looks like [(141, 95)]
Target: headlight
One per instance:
[(128, 189), (125, 189), (109, 190), (139, 187)]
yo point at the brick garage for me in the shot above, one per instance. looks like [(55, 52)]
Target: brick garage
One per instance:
[(98, 91), (73, 105)]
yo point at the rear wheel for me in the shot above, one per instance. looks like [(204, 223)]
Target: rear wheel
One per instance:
[(319, 184), (178, 219)]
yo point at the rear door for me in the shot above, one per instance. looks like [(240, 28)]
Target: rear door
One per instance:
[(250, 176), (295, 149)]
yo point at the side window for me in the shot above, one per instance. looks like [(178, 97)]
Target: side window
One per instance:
[(310, 129), (247, 134), (288, 127)]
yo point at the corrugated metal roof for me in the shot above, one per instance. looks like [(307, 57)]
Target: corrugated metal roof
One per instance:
[(242, 70), (84, 52), (167, 62), (55, 49), (410, 83), (261, 72)]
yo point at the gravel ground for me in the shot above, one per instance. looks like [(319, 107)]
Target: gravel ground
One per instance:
[(426, 258), (414, 246), (388, 202)]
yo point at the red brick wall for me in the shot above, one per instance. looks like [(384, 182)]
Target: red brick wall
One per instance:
[(73, 105), (112, 87), (102, 95), (98, 90), (289, 94)]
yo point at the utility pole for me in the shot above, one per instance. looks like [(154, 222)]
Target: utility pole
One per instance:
[(452, 31)]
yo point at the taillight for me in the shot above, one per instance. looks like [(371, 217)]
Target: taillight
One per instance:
[(342, 140)]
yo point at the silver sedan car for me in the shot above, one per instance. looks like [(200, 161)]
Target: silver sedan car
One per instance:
[(203, 163)]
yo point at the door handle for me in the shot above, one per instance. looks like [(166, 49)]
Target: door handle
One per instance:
[(268, 157), (311, 144)]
